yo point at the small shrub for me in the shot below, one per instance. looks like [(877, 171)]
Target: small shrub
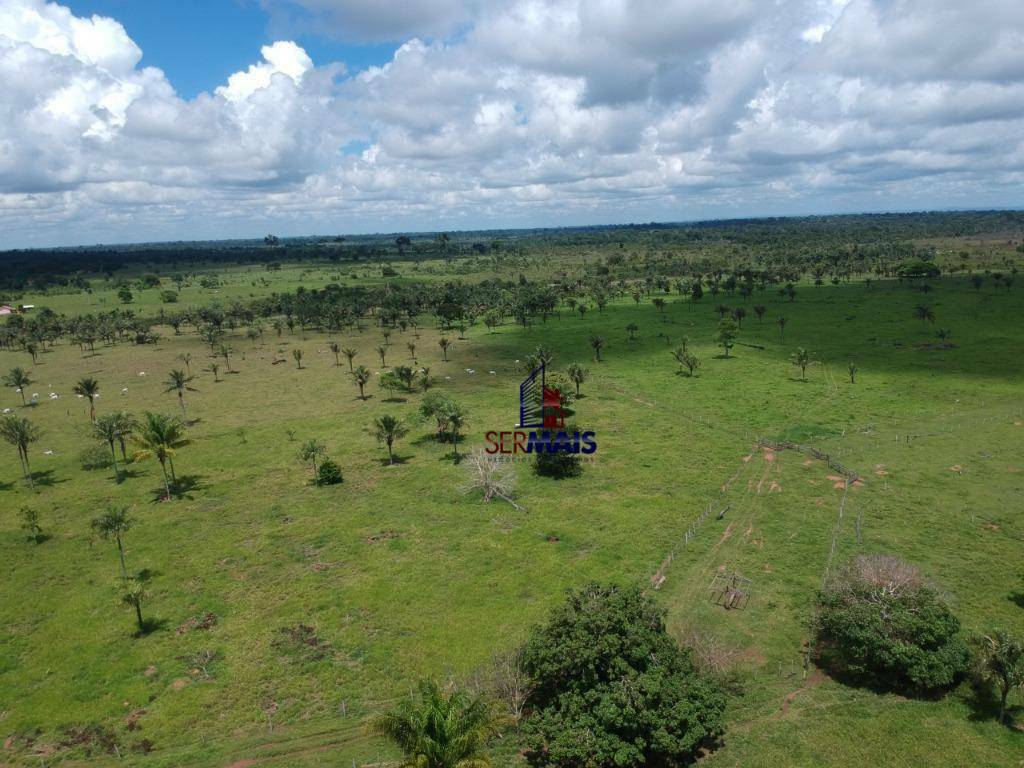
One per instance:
[(329, 473), (559, 465), (94, 457), (168, 297), (880, 622)]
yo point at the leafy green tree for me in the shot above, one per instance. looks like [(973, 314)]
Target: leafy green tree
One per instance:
[(438, 729), (1001, 663), (612, 689), (311, 451), (435, 405), (329, 473), (33, 349), (759, 311), (224, 350), (726, 334), (159, 436), (215, 370), (349, 355), (738, 314), (801, 359), (179, 381), (114, 524), (124, 293), (632, 329), (406, 375), (297, 355), (361, 376), (90, 388), (597, 344), (19, 379), (387, 429), (879, 621), (578, 374), (20, 433), (30, 525), (124, 424)]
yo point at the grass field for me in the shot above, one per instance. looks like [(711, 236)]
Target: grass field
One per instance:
[(402, 576)]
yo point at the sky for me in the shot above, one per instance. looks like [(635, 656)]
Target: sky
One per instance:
[(146, 120)]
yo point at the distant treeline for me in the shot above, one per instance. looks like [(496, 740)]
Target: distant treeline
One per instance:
[(68, 267)]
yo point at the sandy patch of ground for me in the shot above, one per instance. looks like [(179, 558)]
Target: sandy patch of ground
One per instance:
[(727, 534), (880, 470), (957, 468)]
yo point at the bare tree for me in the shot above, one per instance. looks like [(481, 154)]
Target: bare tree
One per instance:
[(489, 476)]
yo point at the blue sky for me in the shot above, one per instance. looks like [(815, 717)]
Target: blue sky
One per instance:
[(350, 116), (198, 43)]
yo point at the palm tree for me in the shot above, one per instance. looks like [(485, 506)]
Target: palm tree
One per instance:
[(435, 729), (455, 417), (178, 381), (310, 451), (361, 375), (225, 351), (20, 433), (852, 370), (19, 379), (32, 348), (444, 344), (126, 424), (387, 429), (631, 329), (382, 351), (1001, 661), (801, 359), (186, 358), (160, 436), (335, 350), (215, 370), (107, 429), (411, 346), (924, 313), (297, 354), (349, 354), (135, 593), (114, 524), (759, 311), (781, 322), (90, 388), (578, 374), (597, 344)]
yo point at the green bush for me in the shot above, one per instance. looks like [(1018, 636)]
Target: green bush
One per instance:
[(329, 473), (94, 457), (879, 622), (611, 688)]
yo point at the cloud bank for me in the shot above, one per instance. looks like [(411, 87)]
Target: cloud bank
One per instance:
[(515, 113)]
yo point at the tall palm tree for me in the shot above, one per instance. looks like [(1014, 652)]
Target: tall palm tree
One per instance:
[(361, 375), (90, 388), (20, 433), (114, 524), (335, 350), (178, 381), (186, 358), (1001, 661), (135, 593), (160, 436), (387, 429), (801, 359), (781, 322), (435, 729), (126, 425), (105, 428), (382, 351), (349, 354), (578, 374), (19, 379)]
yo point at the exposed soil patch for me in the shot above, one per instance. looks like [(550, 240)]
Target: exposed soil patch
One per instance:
[(320, 566), (727, 534), (813, 680), (957, 468), (205, 621), (989, 527), (386, 535)]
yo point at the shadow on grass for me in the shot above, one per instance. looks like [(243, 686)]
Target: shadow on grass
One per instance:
[(149, 626), (180, 489), (398, 459), (45, 479), (983, 702), (1017, 598)]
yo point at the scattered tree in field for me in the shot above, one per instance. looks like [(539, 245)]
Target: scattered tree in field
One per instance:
[(215, 370), (406, 375), (33, 349), (108, 429), (440, 729), (30, 525), (722, 310), (801, 359), (492, 320), (659, 304), (436, 405), (387, 429), (253, 335), (578, 374), (686, 359), (880, 621), (582, 309), (20, 433), (632, 329), (90, 388), (852, 370), (335, 350), (444, 344), (492, 478), (179, 381), (311, 451), (924, 313), (389, 380), (225, 351), (349, 355), (597, 344), (424, 378), (361, 376), (976, 281), (186, 358), (944, 334), (411, 346), (124, 424), (726, 334), (114, 524), (19, 379), (608, 645), (159, 436), (134, 595), (1000, 661), (297, 355), (738, 314), (781, 322), (759, 311), (382, 351)]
